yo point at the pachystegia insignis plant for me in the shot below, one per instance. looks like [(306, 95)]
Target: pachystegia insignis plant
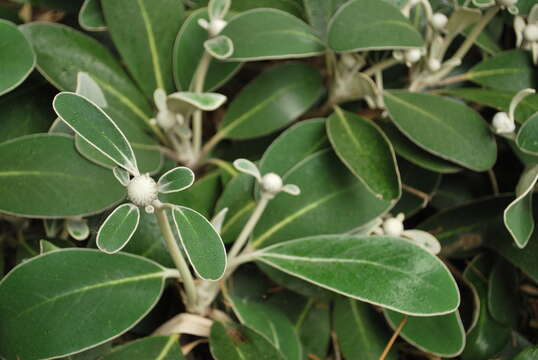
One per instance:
[(268, 179)]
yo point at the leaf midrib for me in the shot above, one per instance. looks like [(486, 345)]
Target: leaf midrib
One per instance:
[(152, 45)]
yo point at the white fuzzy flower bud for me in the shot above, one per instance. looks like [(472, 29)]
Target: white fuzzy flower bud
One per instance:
[(393, 226), (348, 60), (142, 190), (439, 21), (531, 33), (506, 3), (166, 119), (503, 124), (216, 26), (272, 183), (434, 64), (412, 56)]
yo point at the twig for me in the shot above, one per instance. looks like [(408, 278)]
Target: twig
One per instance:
[(393, 338)]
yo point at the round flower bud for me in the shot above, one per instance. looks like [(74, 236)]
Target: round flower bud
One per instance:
[(503, 124), (166, 119), (531, 32), (142, 190), (393, 227), (506, 3), (216, 26), (439, 21), (412, 55), (272, 183), (434, 64)]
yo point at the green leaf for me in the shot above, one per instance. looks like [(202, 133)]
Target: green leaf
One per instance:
[(527, 136), (411, 152), (359, 330), (270, 323), (17, 60), (186, 102), (327, 204), (90, 16), (423, 332), (218, 8), (144, 32), (319, 13), (518, 217), (230, 341), (485, 337), (220, 47), (78, 229), (366, 151), (51, 297), (503, 289), (294, 7), (190, 40), (370, 269), (271, 101), (93, 125), (26, 110), (263, 34), (118, 228), (371, 25), (201, 242), (76, 52), (443, 127), (509, 70), (48, 174), (153, 347), (529, 353), (175, 180)]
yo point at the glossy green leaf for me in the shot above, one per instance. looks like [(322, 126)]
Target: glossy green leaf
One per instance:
[(509, 70), (263, 34), (76, 52), (230, 341), (486, 337), (271, 101), (366, 151), (271, 323), (17, 60), (153, 347), (411, 152), (118, 228), (503, 300), (188, 50), (144, 33), (90, 16), (174, 180), (26, 110), (52, 179), (370, 269), (328, 203), (220, 47), (423, 332), (94, 126), (371, 25), (359, 330), (74, 291), (201, 242), (518, 216), (443, 127)]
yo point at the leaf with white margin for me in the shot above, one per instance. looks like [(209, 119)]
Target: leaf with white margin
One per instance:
[(217, 9), (94, 126), (371, 269), (88, 87), (202, 243), (518, 217), (291, 189), (118, 228), (218, 220), (74, 291), (527, 135), (46, 246), (424, 239), (90, 16), (78, 229), (185, 102), (121, 175), (248, 167), (220, 47), (177, 179)]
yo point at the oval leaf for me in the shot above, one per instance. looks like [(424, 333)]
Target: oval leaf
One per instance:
[(262, 34), (17, 59), (94, 126), (144, 33), (90, 16), (220, 47), (74, 291), (201, 242), (49, 174), (271, 101), (365, 150), (527, 136), (174, 180), (370, 269), (371, 25), (153, 347), (443, 127), (118, 228)]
